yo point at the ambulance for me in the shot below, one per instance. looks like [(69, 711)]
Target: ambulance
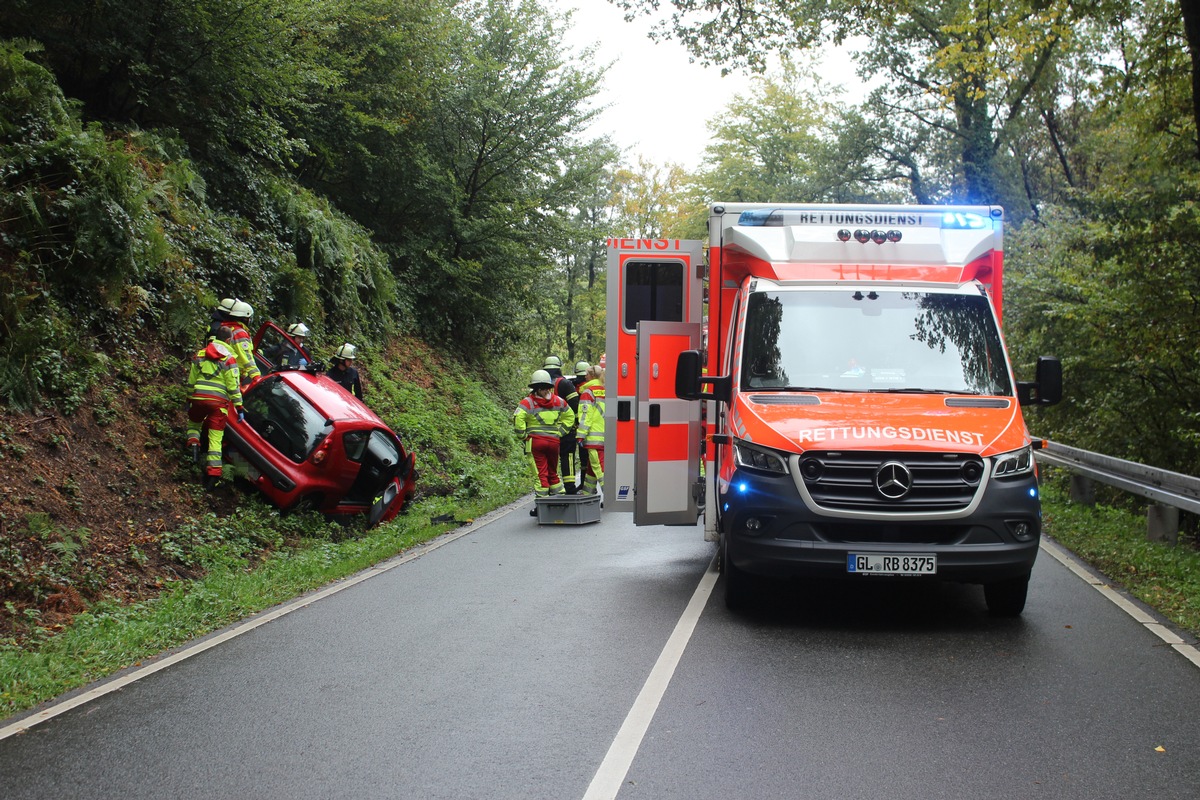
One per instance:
[(828, 386)]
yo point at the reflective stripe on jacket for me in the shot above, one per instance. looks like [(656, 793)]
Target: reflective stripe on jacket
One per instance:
[(215, 379), (547, 419), (591, 414), (243, 348)]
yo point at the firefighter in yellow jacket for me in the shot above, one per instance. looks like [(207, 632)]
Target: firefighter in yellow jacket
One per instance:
[(214, 383), (590, 432), (235, 315), (541, 420)]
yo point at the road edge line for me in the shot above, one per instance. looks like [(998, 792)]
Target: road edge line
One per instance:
[(1139, 615)]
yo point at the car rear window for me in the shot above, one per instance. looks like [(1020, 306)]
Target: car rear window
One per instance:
[(283, 417)]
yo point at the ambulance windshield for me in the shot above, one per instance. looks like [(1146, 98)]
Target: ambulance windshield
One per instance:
[(872, 341)]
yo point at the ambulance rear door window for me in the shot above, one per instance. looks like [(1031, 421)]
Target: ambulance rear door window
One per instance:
[(653, 291)]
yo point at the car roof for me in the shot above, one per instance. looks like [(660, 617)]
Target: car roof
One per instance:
[(329, 398)]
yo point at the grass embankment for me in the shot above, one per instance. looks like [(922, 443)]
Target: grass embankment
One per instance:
[(1113, 540), (467, 462)]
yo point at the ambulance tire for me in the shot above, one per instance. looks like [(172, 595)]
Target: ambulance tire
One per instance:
[(737, 588), (1006, 598)]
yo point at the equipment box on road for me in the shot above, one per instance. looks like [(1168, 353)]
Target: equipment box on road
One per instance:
[(568, 509)]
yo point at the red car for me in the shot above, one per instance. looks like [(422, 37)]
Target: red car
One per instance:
[(307, 443)]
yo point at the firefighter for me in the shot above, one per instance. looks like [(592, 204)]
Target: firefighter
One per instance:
[(591, 429), (213, 380), (541, 420), (236, 314), (565, 389), (581, 377), (343, 371), (288, 355)]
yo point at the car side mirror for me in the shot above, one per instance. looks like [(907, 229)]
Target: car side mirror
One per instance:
[(690, 378), (1047, 389)]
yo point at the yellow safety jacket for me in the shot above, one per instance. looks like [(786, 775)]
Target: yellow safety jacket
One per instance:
[(243, 349), (591, 414), (549, 419), (214, 375)]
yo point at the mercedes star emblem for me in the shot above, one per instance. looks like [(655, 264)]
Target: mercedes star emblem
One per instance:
[(893, 480)]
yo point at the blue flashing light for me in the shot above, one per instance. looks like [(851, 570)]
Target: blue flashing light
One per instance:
[(725, 507), (1033, 492), (959, 220), (743, 487), (759, 217)]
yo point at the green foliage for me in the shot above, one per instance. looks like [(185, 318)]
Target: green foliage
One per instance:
[(1114, 541), (1113, 288), (458, 427), (501, 172)]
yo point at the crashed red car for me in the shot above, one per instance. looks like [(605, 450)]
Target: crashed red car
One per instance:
[(307, 443)]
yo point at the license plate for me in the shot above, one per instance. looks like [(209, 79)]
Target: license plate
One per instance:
[(889, 564)]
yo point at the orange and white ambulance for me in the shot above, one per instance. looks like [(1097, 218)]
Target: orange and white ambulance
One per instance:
[(859, 417)]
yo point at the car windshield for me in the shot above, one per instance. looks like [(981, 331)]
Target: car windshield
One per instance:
[(887, 341), (283, 417)]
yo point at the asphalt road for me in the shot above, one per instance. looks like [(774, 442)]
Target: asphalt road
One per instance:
[(505, 663)]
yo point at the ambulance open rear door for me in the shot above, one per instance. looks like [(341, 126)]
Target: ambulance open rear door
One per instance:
[(649, 280), (667, 445)]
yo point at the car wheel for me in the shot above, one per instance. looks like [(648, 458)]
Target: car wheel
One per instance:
[(737, 589), (310, 502), (1006, 598)]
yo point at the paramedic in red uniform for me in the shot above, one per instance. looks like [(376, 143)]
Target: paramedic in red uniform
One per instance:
[(540, 420)]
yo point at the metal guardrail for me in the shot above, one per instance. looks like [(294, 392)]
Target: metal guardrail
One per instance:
[(1162, 486)]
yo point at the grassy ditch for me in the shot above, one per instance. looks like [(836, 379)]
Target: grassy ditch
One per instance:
[(237, 583), (1113, 540)]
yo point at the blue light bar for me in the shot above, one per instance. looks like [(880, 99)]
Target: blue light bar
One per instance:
[(959, 220), (760, 217)]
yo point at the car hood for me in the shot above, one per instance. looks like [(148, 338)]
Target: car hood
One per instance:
[(797, 422)]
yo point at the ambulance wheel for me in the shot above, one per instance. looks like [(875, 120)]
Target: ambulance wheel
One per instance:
[(1006, 598), (736, 584)]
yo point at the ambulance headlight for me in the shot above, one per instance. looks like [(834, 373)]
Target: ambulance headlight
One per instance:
[(1011, 465), (760, 458)]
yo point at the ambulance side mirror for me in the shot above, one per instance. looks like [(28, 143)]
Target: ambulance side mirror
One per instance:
[(1047, 389), (689, 379)]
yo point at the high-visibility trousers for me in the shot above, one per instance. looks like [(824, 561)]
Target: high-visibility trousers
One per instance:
[(543, 453), (593, 469), (567, 459), (214, 413)]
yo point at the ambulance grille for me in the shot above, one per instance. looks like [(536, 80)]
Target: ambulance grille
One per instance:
[(892, 482)]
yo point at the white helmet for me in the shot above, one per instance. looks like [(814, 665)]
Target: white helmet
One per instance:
[(581, 368), (241, 310), (346, 351), (539, 379), (298, 330), (226, 305), (552, 362)]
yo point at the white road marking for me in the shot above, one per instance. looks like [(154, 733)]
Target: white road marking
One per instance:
[(24, 724), (611, 775), (1188, 651)]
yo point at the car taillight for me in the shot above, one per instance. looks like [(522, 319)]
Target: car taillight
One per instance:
[(321, 453)]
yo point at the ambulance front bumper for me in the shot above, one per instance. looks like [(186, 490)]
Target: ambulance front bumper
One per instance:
[(769, 530)]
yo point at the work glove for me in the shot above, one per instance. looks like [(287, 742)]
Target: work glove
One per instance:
[(241, 415)]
